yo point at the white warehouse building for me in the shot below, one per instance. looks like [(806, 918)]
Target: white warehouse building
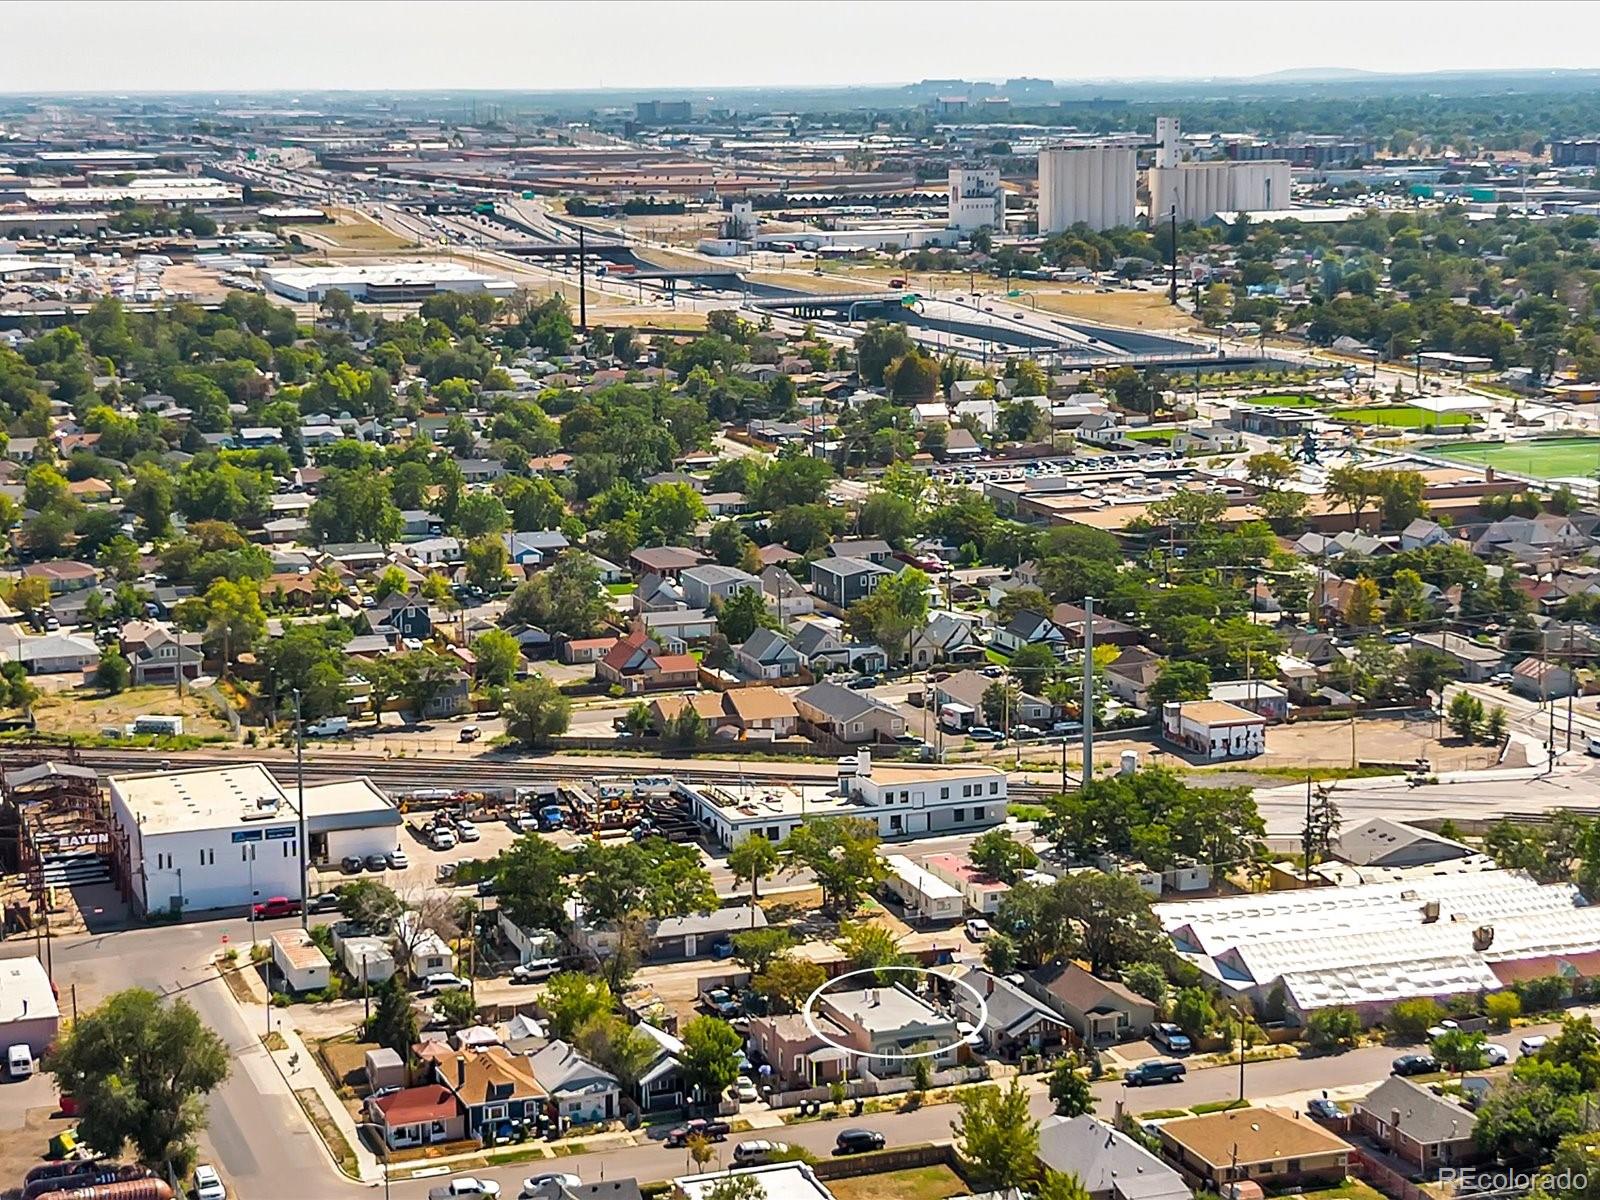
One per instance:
[(977, 200), (382, 282), (1092, 182), (225, 837)]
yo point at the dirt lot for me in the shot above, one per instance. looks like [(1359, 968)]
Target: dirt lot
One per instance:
[(28, 1120), (1148, 310), (88, 710), (351, 231)]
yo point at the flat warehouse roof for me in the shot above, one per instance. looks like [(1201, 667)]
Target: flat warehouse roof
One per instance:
[(25, 992), (348, 804), (204, 798)]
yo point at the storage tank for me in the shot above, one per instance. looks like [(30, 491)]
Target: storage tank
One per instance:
[(86, 1174), (149, 1188)]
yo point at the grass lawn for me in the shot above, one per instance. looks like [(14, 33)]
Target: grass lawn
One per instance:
[(1284, 400), (1148, 310), (1543, 458), (914, 1183), (353, 231), (622, 589), (1399, 416), (1163, 436)]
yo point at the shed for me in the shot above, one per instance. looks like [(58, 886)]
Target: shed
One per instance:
[(300, 961), (385, 1068)]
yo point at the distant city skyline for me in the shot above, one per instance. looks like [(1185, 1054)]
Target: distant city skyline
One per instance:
[(135, 45)]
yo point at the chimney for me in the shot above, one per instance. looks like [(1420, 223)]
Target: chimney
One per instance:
[(1482, 937), (863, 763), (461, 1069)]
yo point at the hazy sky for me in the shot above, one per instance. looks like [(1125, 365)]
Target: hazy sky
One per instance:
[(215, 45)]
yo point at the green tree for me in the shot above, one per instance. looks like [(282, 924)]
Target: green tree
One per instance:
[(1193, 1012), (998, 854), (752, 860), (1502, 1008), (1147, 979), (669, 513), (140, 1071), (842, 855), (1069, 1089), (113, 674), (894, 610), (394, 1021), (498, 657), (1032, 666), (574, 1000), (756, 949), (867, 946), (456, 1009), (536, 711), (741, 614), (996, 1136), (1460, 1051), (1061, 1185), (1465, 716), (531, 882), (486, 560), (710, 1057), (787, 981), (1180, 681), (370, 904)]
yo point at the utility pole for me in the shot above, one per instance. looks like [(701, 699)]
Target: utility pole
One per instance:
[(583, 299), (1172, 258), (300, 802), (1087, 706), (1305, 840)]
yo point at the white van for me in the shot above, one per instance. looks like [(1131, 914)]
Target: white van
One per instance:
[(19, 1061), (328, 727), (1594, 746)]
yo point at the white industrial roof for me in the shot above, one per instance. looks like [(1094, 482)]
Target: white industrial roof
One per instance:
[(1383, 941), (378, 275), (25, 993), (205, 798)]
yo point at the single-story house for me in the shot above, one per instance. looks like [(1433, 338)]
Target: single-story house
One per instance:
[(1107, 1162), (582, 1092), (1101, 1011), (1263, 1145), (847, 715), (418, 1116), (1429, 1131)]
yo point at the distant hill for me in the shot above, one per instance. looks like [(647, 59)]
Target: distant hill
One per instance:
[(1314, 74)]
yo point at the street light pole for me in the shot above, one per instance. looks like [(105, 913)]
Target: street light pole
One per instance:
[(300, 804)]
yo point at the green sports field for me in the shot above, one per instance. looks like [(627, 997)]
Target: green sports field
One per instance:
[(1398, 416), (1546, 458)]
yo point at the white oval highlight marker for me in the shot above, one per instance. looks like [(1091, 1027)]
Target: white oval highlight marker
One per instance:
[(808, 1012)]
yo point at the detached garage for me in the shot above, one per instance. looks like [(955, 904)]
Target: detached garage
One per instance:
[(351, 816)]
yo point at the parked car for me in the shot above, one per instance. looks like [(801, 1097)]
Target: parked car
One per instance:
[(19, 1061), (208, 1184), (757, 1151), (862, 682), (470, 733), (1156, 1070), (536, 970), (464, 1186), (398, 860), (715, 1131), (1532, 1045), (352, 864), (1496, 1055), (1323, 1109), (978, 930), (993, 672), (442, 837), (855, 1141), (324, 902), (982, 733), (1442, 1028), (744, 1090), (1414, 1064), (1026, 733), (444, 981), (466, 831), (535, 1185), (377, 862), (276, 906), (1170, 1037), (722, 1002)]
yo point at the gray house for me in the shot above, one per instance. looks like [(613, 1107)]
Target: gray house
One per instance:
[(766, 654), (702, 584), (843, 581), (1109, 1164), (582, 1092)]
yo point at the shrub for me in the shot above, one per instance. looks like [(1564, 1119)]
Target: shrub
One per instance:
[(1411, 1019), (1328, 1028), (1543, 993)]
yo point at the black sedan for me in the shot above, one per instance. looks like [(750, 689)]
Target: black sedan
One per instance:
[(1414, 1064)]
